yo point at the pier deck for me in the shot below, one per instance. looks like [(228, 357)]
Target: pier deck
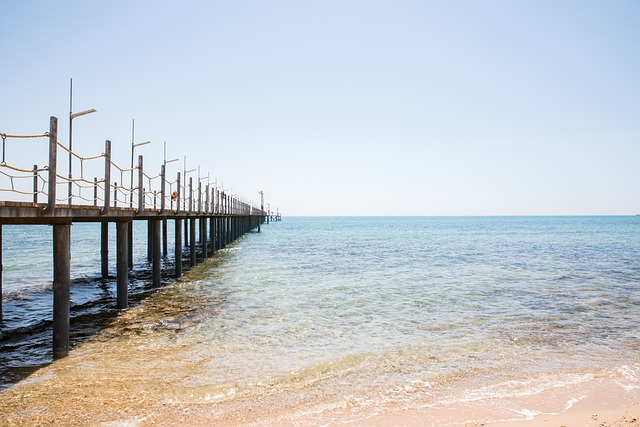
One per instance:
[(211, 218)]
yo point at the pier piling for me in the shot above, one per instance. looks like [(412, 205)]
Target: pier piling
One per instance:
[(192, 241), (61, 288), (157, 271), (178, 247), (0, 272), (122, 264), (104, 249)]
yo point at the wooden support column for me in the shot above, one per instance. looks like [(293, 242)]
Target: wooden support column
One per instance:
[(212, 234), (165, 248), (234, 229), (104, 249), (149, 240), (53, 160), (130, 245), (122, 263), (61, 288), (1, 267), (223, 232), (157, 273), (178, 248), (186, 231), (203, 237), (192, 240)]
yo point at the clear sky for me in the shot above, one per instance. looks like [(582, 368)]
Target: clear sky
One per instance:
[(350, 107)]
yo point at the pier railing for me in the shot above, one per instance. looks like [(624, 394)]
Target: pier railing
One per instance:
[(209, 217), (146, 192)]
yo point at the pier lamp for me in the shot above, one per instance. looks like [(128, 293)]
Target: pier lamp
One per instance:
[(164, 156), (133, 147), (71, 117)]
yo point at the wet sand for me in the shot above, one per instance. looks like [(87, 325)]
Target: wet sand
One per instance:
[(74, 392)]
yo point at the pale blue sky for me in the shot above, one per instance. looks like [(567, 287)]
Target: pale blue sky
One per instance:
[(346, 107)]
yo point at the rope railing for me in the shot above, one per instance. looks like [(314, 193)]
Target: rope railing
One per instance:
[(155, 192), (125, 190), (13, 189), (13, 176)]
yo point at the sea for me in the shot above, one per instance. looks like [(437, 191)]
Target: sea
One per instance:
[(341, 314)]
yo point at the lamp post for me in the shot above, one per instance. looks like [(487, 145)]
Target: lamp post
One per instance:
[(72, 116), (133, 147), (164, 157)]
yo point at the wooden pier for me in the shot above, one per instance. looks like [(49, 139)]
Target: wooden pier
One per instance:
[(206, 217)]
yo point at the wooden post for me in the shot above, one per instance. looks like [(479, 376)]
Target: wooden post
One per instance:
[(107, 176), (186, 231), (212, 234), (150, 236), (192, 240), (104, 248), (130, 244), (35, 183), (1, 267), (178, 248), (203, 237), (221, 232), (190, 194), (165, 250), (140, 187), (162, 188), (206, 199), (157, 272), (53, 155), (95, 191), (61, 288), (122, 263), (178, 193)]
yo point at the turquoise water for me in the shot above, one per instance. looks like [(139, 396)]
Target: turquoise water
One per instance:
[(396, 309)]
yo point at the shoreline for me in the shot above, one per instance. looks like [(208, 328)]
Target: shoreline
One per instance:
[(62, 393), (602, 403)]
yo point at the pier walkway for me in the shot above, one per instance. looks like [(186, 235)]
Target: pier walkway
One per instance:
[(205, 216)]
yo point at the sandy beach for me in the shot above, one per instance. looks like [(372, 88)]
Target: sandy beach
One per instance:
[(62, 395)]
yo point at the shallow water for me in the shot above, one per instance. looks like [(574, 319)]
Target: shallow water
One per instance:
[(317, 314)]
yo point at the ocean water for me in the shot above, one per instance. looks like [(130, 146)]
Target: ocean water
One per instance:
[(347, 314)]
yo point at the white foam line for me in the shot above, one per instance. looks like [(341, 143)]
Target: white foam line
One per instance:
[(528, 413), (572, 402)]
